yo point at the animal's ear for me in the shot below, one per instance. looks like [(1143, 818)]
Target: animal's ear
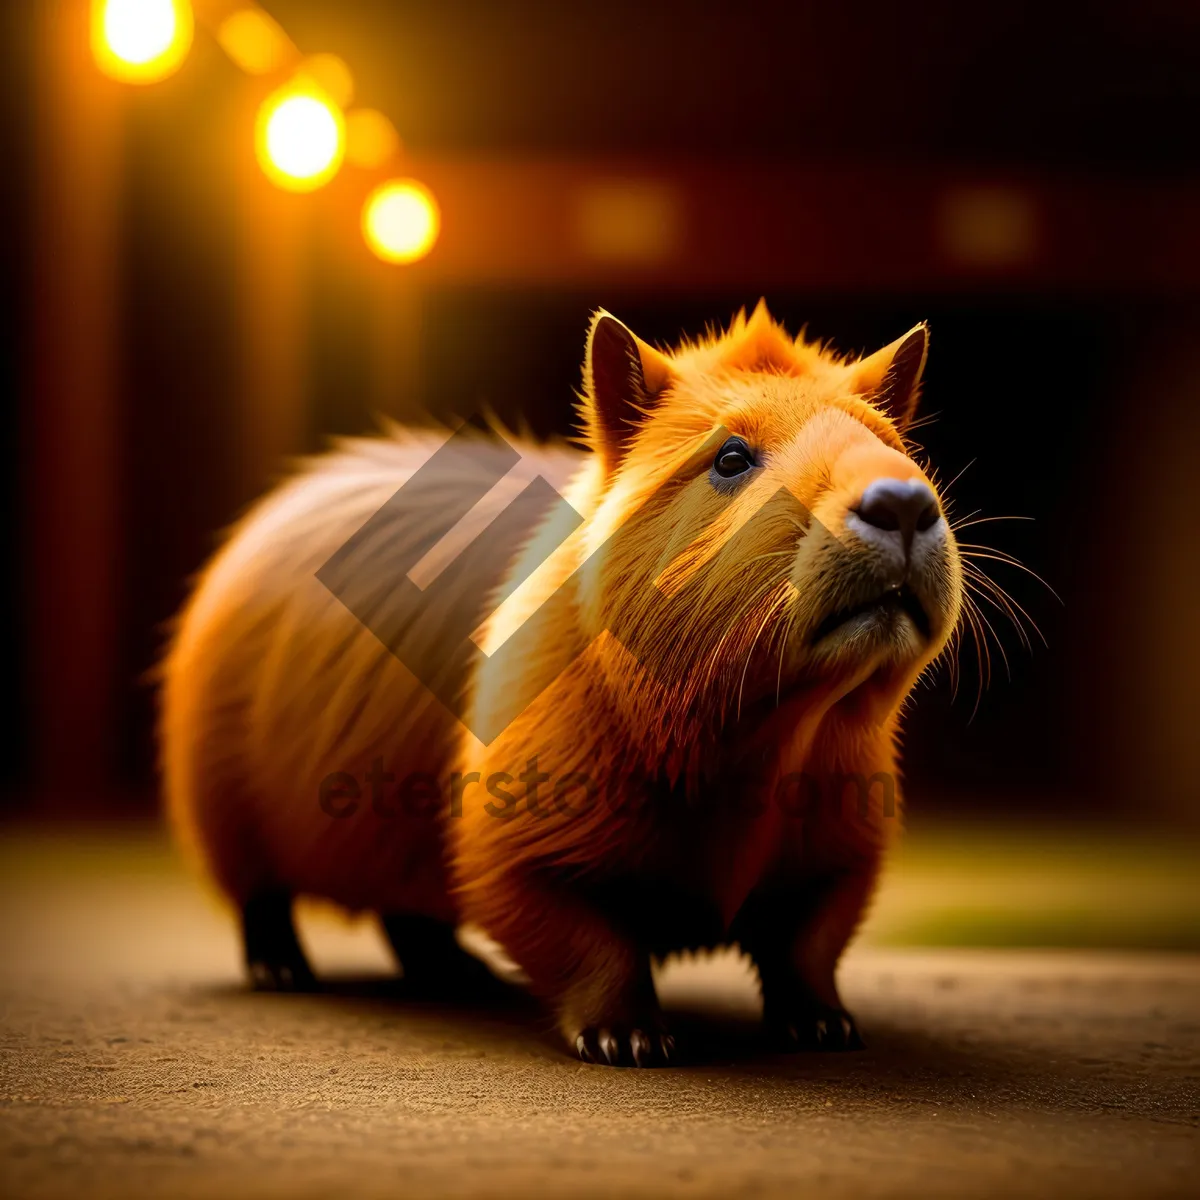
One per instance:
[(622, 378), (891, 377)]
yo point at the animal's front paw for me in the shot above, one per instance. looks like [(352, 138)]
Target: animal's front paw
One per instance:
[(646, 1045), (817, 1028)]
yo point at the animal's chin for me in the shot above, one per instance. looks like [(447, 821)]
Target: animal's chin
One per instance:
[(876, 642), (883, 634), (892, 623), (884, 613)]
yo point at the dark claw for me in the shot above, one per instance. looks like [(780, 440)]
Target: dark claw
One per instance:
[(639, 1045), (610, 1048)]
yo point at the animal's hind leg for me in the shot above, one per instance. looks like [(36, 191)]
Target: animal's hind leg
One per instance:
[(432, 960), (274, 959)]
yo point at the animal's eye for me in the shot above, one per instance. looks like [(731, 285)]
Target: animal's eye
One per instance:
[(733, 458)]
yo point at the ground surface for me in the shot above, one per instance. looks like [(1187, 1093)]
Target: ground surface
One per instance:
[(134, 1063)]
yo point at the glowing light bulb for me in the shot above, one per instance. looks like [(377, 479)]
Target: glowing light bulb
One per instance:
[(300, 138), (141, 41), (401, 221)]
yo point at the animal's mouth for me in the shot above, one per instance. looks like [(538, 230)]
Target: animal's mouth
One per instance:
[(895, 601)]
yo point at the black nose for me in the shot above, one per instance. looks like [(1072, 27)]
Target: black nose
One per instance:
[(904, 506)]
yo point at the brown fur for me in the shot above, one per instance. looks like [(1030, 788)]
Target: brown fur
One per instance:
[(698, 700)]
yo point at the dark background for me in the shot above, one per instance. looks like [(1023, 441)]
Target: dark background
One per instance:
[(1070, 385)]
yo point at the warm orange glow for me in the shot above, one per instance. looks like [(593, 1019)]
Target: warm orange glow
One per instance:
[(331, 75), (254, 41), (371, 139), (628, 221), (993, 227), (141, 41), (300, 138), (401, 221)]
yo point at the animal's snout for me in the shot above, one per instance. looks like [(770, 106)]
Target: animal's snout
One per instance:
[(899, 509)]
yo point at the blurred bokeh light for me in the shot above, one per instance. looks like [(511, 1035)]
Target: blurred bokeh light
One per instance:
[(141, 41), (628, 221), (300, 138), (330, 75), (371, 139), (401, 221), (254, 41)]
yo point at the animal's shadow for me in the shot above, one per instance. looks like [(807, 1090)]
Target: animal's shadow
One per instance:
[(918, 1064)]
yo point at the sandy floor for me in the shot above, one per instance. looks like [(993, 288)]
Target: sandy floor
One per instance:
[(134, 1063)]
